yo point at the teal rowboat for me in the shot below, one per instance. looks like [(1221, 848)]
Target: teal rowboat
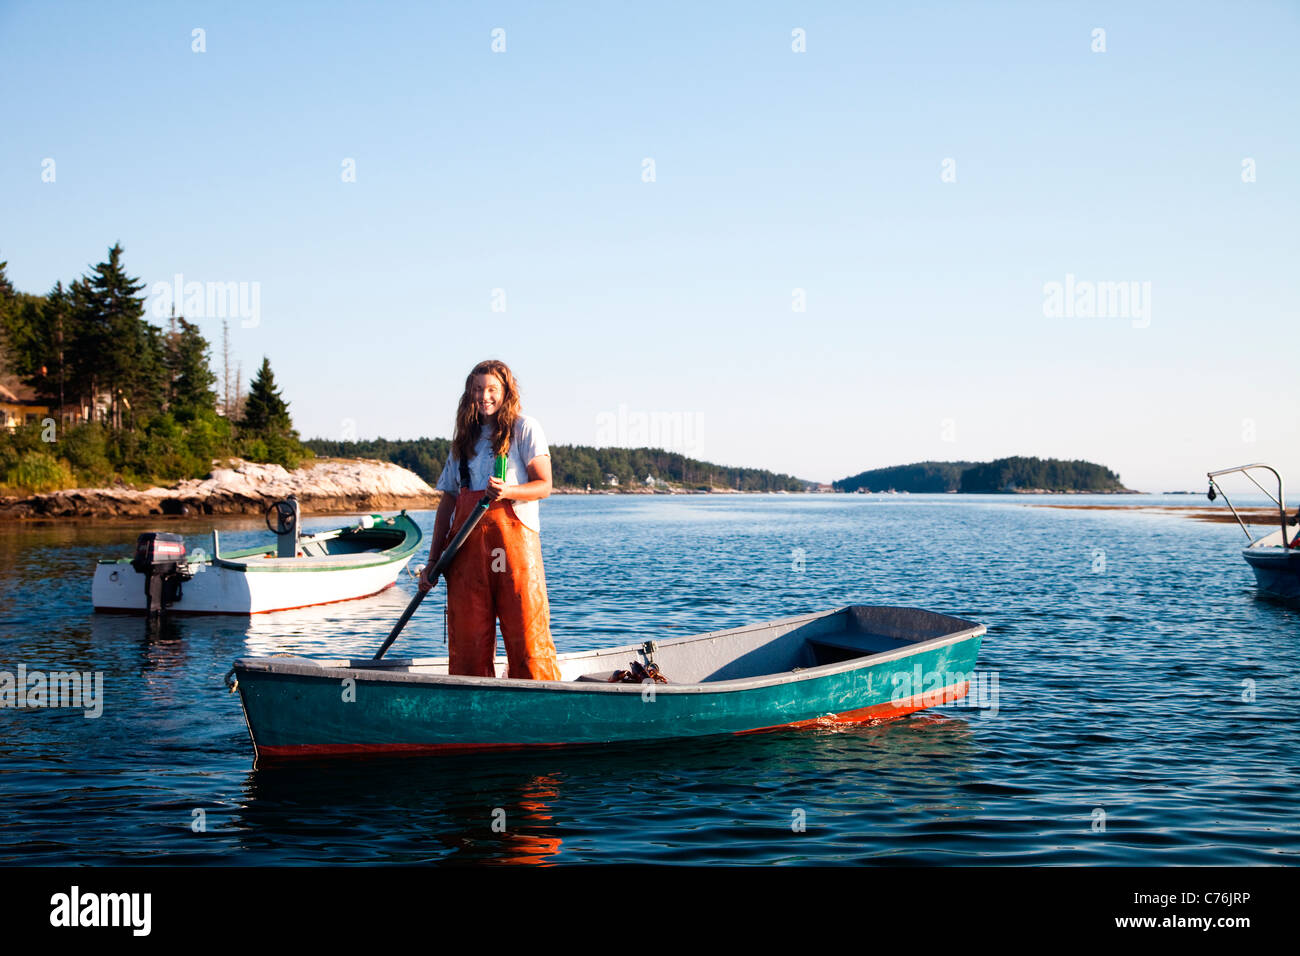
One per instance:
[(847, 665)]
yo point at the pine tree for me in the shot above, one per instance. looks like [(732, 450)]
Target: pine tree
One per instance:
[(190, 379), (266, 413), (10, 335), (6, 288), (58, 309), (81, 371), (147, 383), (267, 430), (114, 349), (29, 328)]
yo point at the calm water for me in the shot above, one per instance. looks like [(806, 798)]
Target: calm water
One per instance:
[(1125, 645)]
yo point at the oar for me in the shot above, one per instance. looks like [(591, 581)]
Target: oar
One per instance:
[(444, 562)]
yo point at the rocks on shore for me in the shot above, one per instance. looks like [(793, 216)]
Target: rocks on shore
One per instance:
[(243, 487)]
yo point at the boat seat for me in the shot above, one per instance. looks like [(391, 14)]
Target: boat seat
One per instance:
[(833, 649), (833, 652)]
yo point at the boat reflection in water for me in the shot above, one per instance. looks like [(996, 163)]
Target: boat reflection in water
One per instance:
[(426, 814), (669, 802), (524, 846)]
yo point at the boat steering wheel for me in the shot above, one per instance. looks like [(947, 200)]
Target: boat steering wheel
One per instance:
[(285, 519)]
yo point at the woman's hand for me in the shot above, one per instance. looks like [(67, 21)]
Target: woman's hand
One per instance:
[(426, 574), (536, 488), (497, 490)]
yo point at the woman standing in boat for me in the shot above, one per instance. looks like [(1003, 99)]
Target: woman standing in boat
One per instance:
[(498, 572)]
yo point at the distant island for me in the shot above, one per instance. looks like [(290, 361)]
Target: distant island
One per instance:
[(1003, 476), (922, 478)]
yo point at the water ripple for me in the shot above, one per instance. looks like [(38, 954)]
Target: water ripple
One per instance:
[(1145, 711)]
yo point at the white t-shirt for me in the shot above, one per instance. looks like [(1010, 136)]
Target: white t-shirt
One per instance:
[(528, 442)]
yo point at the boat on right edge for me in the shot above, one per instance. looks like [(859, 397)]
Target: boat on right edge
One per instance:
[(1275, 557)]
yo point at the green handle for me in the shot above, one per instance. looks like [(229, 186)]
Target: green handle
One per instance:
[(502, 466)]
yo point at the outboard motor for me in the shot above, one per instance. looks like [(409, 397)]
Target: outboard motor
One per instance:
[(160, 557)]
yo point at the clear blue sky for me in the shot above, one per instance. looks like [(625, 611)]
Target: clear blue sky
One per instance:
[(924, 334)]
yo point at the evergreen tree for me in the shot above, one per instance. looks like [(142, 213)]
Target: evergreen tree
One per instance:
[(114, 349), (82, 372), (6, 296), (147, 383), (58, 312), (12, 333), (25, 337), (267, 430), (266, 413), (32, 333), (190, 379)]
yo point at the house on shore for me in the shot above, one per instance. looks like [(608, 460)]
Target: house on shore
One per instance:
[(20, 406)]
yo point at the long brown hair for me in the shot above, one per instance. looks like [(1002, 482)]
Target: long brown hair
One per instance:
[(468, 423)]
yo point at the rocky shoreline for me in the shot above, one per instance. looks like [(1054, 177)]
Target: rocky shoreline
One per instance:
[(323, 486), (236, 487)]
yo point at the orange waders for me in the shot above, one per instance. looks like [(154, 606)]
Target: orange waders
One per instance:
[(498, 574)]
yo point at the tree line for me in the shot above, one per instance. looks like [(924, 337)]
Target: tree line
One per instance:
[(129, 401), (574, 466), (582, 465)]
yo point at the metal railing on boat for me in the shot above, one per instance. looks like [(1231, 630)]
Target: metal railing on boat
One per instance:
[(1280, 500)]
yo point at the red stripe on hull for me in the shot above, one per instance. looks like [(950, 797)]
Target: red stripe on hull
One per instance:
[(885, 711), (382, 750)]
